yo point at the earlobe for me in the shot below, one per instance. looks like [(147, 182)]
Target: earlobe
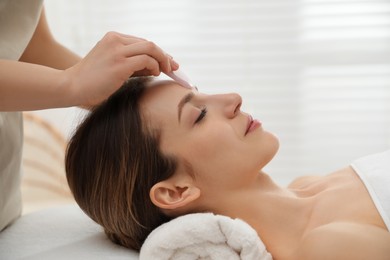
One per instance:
[(166, 195)]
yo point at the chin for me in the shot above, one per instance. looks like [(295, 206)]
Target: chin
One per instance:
[(275, 143), (269, 148)]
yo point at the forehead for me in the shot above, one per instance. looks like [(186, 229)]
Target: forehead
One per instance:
[(162, 91), (160, 101)]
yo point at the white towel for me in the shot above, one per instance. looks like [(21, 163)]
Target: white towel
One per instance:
[(204, 236), (374, 171)]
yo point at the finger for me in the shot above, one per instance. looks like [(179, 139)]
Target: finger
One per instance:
[(166, 61), (140, 73), (174, 64), (131, 36), (129, 39), (115, 37), (144, 63), (152, 50)]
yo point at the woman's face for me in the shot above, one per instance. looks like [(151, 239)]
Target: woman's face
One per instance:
[(225, 148)]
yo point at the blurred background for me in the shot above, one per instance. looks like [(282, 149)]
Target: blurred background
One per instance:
[(315, 72)]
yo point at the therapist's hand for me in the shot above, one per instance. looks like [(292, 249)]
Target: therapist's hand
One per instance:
[(113, 60)]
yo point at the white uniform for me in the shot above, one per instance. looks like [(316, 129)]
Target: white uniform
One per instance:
[(18, 20)]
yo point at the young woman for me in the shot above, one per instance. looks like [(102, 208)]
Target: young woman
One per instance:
[(155, 150)]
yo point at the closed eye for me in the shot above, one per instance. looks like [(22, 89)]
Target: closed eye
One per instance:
[(202, 114)]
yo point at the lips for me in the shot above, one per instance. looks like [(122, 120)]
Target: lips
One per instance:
[(252, 124)]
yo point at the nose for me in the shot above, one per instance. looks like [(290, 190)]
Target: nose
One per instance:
[(231, 104)]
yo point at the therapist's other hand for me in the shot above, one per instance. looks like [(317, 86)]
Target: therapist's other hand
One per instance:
[(114, 59)]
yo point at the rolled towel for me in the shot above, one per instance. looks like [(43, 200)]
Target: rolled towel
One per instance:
[(204, 236)]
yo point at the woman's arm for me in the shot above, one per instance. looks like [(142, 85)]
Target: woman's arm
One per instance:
[(49, 76), (25, 86), (345, 241)]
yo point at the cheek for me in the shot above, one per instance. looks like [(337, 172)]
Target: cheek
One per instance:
[(211, 149), (212, 141)]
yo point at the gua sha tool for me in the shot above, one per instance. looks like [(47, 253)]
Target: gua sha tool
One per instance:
[(180, 78)]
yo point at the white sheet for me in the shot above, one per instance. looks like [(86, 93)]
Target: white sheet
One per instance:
[(59, 233)]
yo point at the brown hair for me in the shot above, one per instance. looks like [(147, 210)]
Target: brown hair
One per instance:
[(112, 161)]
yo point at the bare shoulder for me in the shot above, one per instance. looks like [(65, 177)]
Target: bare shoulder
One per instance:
[(303, 181), (345, 240)]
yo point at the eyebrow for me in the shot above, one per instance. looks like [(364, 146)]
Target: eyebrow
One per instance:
[(187, 98)]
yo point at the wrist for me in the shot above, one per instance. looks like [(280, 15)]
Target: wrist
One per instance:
[(68, 88)]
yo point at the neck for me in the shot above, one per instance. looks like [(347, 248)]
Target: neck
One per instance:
[(277, 214)]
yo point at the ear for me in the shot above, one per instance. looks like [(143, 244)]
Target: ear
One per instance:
[(170, 195)]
